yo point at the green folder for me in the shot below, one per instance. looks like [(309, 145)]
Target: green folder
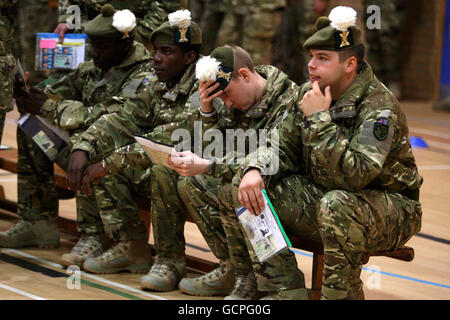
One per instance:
[(277, 219)]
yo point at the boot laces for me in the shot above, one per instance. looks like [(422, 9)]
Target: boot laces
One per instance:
[(86, 244), (245, 286), (20, 226), (116, 250), (162, 266)]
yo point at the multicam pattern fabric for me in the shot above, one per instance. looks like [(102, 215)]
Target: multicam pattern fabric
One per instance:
[(359, 192), (201, 193), (87, 94)]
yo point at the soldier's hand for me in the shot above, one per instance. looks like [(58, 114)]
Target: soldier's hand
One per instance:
[(188, 164), (77, 164), (314, 101), (30, 101), (320, 6), (205, 89), (93, 174), (250, 191), (61, 29)]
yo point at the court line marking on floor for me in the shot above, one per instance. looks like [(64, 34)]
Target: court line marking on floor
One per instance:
[(310, 255), (45, 270), (21, 292), (434, 167), (385, 273), (87, 275)]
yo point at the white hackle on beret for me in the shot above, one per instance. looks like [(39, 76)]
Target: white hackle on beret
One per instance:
[(124, 21), (207, 68), (342, 18), (180, 19)]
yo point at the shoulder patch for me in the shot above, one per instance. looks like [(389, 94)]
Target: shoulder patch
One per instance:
[(381, 129)]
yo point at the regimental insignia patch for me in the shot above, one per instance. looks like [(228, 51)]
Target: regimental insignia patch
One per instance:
[(183, 32), (344, 37), (381, 129)]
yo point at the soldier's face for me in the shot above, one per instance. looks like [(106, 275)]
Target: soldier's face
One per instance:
[(107, 53), (325, 68), (170, 62), (238, 94)]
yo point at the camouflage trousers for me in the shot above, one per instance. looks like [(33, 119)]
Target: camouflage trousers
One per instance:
[(168, 213), (255, 33), (280, 271), (116, 204), (351, 225), (37, 198), (200, 197)]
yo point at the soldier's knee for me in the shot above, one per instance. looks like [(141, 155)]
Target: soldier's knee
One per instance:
[(332, 206), (184, 186), (226, 198)]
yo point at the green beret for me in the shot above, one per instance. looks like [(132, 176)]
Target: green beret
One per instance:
[(333, 34), (225, 55), (102, 25), (171, 34)]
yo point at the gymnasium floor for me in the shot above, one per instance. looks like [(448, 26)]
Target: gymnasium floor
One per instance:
[(36, 274)]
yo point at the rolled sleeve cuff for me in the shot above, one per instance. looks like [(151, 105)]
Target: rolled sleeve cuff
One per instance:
[(209, 114), (110, 165), (84, 146), (48, 108)]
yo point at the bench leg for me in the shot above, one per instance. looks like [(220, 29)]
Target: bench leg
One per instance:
[(317, 274)]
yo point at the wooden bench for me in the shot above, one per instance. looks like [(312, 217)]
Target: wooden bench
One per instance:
[(8, 161)]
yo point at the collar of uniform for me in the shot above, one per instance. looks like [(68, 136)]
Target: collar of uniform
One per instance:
[(184, 86), (273, 77)]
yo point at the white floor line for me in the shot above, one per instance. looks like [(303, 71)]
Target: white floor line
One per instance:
[(23, 293), (435, 167), (86, 275)]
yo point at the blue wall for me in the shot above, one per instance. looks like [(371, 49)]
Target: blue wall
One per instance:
[(445, 61)]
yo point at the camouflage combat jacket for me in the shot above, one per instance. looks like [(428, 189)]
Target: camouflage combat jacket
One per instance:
[(278, 96), (6, 28), (87, 91), (361, 142), (154, 112)]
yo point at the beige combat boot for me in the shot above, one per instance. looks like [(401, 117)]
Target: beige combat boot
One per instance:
[(130, 255), (88, 246), (39, 233), (218, 282), (245, 288), (164, 274)]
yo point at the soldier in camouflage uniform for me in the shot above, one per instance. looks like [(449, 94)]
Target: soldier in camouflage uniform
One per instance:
[(86, 94), (7, 61), (347, 170), (161, 105), (246, 112), (150, 14), (255, 22)]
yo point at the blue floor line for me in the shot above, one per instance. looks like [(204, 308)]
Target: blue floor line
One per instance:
[(408, 278), (364, 268), (385, 273)]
